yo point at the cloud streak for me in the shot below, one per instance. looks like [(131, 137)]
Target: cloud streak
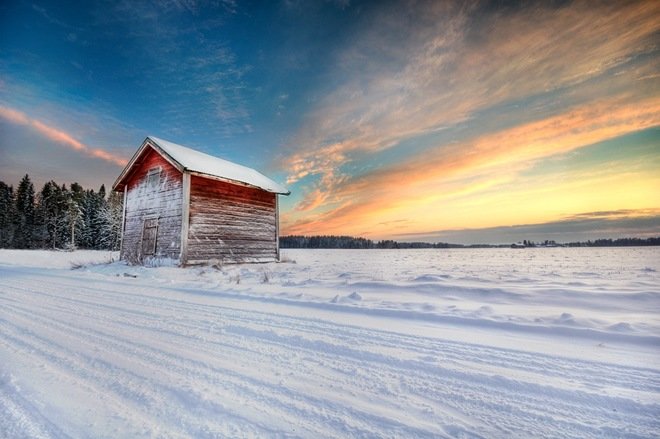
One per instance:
[(580, 227), (502, 90), (196, 81), (475, 167), (56, 135), (444, 70)]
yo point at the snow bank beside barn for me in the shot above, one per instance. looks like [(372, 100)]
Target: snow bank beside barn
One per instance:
[(55, 258)]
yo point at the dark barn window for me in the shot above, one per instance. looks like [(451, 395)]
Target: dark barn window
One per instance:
[(153, 178)]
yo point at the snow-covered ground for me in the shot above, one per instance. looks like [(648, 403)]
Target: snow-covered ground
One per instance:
[(394, 343)]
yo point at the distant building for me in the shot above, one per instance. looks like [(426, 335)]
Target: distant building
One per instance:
[(192, 208)]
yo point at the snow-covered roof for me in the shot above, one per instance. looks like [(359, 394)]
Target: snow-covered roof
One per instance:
[(199, 162)]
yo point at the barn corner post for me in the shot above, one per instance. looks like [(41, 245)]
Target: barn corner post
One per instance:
[(185, 218), (123, 224), (277, 228)]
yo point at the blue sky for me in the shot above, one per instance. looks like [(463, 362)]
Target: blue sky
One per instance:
[(407, 120)]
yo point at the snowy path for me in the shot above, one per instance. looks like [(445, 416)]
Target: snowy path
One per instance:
[(88, 355)]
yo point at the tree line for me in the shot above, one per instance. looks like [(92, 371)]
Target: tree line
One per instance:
[(349, 242), (58, 217), (621, 242)]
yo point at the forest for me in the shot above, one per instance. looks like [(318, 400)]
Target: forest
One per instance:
[(349, 242), (58, 217)]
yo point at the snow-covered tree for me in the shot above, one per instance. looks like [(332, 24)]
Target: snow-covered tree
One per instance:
[(23, 214), (51, 215), (61, 217), (110, 218), (6, 215)]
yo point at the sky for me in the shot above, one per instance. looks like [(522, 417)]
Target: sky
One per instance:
[(465, 122)]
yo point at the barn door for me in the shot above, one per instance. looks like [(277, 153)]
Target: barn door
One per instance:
[(149, 234)]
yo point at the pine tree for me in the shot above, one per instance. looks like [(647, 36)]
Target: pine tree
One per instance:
[(95, 218), (74, 215), (51, 213), (24, 214), (6, 215), (110, 218), (90, 208)]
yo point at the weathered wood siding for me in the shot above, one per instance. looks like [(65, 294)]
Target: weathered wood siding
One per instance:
[(230, 223), (159, 199)]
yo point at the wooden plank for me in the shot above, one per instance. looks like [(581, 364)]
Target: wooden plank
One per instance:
[(212, 248), (228, 210), (211, 226), (238, 220), (211, 253), (239, 244), (223, 205), (236, 242), (251, 221), (224, 235), (222, 199), (227, 254), (253, 260), (226, 190)]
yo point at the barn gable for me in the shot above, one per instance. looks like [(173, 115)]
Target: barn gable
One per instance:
[(199, 163), (192, 208)]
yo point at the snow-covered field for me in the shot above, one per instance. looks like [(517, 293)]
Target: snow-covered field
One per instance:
[(496, 343)]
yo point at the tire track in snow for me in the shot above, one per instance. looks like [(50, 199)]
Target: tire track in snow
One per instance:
[(600, 374), (347, 366), (645, 379), (307, 401)]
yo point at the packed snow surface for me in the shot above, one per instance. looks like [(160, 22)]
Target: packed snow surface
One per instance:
[(497, 343)]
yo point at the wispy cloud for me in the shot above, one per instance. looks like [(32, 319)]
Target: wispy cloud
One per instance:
[(61, 137), (48, 17), (472, 167), (194, 80), (14, 116), (580, 227), (587, 68), (614, 214)]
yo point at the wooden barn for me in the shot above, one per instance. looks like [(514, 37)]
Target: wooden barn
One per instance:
[(186, 207)]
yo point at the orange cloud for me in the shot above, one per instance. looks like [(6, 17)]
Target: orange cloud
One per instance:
[(475, 169), (14, 116), (59, 136), (445, 69)]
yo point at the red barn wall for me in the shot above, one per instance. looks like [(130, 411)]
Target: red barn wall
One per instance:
[(162, 200), (231, 223)]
